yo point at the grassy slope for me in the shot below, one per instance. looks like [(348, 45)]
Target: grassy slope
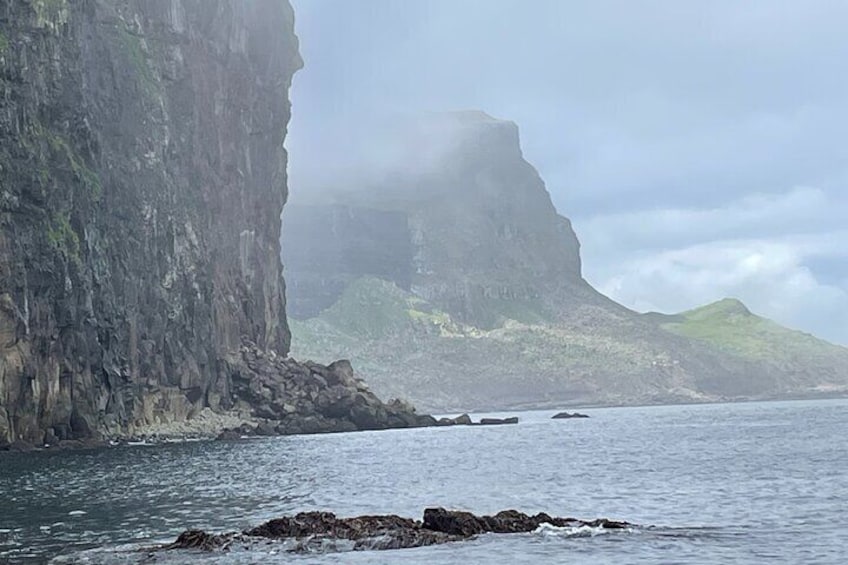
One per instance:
[(729, 326), (388, 332), (405, 347)]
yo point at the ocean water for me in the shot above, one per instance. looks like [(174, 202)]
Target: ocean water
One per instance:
[(729, 483)]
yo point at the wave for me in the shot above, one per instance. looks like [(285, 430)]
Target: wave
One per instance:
[(546, 530)]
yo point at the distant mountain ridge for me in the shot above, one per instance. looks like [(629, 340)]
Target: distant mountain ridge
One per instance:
[(457, 285)]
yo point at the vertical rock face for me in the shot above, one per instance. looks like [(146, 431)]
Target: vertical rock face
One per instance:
[(485, 237), (142, 177), (327, 247)]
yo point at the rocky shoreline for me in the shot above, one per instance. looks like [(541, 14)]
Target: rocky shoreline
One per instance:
[(322, 531), (269, 395)]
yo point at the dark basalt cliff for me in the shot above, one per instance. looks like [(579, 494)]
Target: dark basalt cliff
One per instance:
[(142, 177)]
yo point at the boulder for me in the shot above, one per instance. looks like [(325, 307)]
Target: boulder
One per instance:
[(266, 429), (228, 435), (426, 421), (462, 420)]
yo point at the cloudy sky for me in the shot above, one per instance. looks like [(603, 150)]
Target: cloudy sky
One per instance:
[(699, 147)]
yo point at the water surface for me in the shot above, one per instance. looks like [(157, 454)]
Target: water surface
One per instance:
[(731, 483)]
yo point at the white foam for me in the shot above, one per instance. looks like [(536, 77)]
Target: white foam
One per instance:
[(546, 530), (77, 513)]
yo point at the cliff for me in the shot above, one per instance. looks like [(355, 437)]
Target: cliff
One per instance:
[(497, 314), (464, 220), (142, 178)]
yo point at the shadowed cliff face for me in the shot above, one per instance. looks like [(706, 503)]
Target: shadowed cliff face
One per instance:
[(142, 177)]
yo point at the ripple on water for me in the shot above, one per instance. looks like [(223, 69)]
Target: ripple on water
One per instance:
[(738, 482)]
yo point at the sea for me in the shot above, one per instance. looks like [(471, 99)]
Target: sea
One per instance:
[(719, 483)]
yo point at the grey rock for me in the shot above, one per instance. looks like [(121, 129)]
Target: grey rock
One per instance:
[(568, 415), (498, 421), (139, 216), (462, 420)]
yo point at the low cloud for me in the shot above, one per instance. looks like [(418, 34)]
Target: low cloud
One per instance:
[(670, 132)]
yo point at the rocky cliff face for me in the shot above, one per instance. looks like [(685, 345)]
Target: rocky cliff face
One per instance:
[(486, 241), (142, 177), (328, 246)]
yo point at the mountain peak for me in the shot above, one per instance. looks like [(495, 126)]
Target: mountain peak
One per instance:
[(724, 307)]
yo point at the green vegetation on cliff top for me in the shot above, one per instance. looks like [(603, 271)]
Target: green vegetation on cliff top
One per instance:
[(729, 326)]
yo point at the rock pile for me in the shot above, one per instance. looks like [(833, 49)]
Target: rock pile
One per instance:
[(290, 397), (310, 530)]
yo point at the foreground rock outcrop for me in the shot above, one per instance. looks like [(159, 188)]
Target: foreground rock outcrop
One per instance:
[(314, 530)]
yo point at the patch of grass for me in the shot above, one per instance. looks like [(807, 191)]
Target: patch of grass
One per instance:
[(132, 45), (728, 325), (369, 308), (62, 236), (61, 149)]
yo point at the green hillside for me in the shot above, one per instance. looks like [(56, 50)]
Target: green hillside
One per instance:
[(729, 326), (405, 347)]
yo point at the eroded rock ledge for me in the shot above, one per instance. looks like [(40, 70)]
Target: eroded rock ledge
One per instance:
[(316, 530)]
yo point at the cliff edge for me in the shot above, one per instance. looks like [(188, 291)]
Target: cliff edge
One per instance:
[(142, 178)]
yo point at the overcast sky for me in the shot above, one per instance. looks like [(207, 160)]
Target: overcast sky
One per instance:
[(699, 147)]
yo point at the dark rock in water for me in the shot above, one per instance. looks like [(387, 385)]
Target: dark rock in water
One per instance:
[(498, 421), (567, 415), (462, 420), (310, 529), (426, 421), (198, 539), (228, 435), (266, 429)]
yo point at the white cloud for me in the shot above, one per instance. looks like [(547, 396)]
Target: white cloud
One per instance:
[(673, 260)]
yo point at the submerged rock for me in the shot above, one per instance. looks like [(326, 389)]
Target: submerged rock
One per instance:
[(567, 415), (311, 529)]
